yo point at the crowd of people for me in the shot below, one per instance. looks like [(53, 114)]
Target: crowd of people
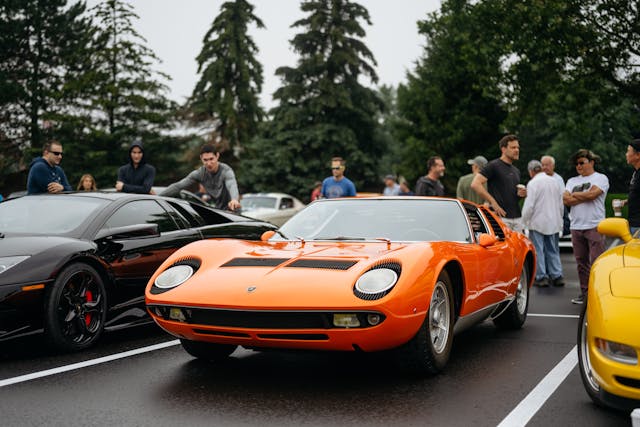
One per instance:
[(551, 207)]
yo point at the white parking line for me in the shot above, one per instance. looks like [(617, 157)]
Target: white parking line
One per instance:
[(563, 316), (54, 371), (528, 407)]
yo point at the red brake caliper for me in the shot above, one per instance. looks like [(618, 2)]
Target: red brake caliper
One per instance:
[(87, 317)]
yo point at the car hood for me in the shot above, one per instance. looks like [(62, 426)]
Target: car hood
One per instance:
[(18, 244), (290, 274)]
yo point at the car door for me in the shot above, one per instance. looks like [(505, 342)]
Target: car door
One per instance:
[(134, 260), (488, 269)]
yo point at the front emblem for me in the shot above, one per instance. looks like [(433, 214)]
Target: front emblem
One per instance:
[(251, 289)]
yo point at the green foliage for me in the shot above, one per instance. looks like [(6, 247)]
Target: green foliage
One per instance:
[(450, 105), (230, 78), (323, 109), (39, 46)]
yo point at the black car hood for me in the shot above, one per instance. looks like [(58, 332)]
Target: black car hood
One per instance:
[(27, 244)]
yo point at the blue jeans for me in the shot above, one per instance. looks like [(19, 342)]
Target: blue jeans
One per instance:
[(548, 255)]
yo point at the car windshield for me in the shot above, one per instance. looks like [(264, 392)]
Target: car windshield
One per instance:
[(251, 203), (51, 215), (368, 219)]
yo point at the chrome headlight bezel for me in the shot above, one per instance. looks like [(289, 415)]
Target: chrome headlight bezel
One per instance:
[(175, 275), (6, 262), (377, 282)]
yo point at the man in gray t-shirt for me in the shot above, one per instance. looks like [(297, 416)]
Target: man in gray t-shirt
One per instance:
[(216, 177)]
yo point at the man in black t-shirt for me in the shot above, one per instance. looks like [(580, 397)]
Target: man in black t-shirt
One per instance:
[(633, 201), (503, 190)]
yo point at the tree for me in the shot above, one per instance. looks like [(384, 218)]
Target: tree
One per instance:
[(125, 96), (451, 105), (40, 42), (323, 109), (230, 78)]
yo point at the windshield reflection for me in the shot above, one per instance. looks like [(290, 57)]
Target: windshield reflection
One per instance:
[(370, 219)]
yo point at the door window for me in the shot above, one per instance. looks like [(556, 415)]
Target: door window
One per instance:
[(142, 212)]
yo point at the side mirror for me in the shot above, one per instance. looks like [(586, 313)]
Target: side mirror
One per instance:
[(267, 235), (129, 232), (615, 227), (485, 240)]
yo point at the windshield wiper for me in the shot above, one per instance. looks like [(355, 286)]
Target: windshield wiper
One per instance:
[(282, 234), (340, 238)]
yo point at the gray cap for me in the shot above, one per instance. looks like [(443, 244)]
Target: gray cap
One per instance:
[(481, 161), (534, 165), (391, 177)]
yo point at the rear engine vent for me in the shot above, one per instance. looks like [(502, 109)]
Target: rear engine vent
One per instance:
[(254, 262), (330, 264)]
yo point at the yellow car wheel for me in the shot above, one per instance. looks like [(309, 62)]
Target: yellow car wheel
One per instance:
[(584, 362)]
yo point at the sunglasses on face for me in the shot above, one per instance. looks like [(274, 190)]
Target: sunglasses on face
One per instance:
[(56, 153), (582, 162), (336, 168)]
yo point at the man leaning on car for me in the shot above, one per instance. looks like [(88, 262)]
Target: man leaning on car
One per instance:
[(45, 173)]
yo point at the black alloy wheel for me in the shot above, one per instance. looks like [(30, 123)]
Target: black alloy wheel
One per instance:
[(75, 308)]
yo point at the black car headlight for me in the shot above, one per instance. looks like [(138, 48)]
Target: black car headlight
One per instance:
[(175, 275), (6, 262), (377, 282)]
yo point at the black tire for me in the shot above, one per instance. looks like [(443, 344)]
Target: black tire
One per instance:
[(584, 363), (428, 351), (75, 308), (514, 316), (208, 351)]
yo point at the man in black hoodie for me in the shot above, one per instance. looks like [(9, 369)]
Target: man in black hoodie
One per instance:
[(136, 176)]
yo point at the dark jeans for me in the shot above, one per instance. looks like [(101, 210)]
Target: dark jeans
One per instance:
[(587, 246)]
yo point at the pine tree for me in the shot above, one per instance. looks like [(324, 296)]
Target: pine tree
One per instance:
[(39, 45), (226, 96), (128, 98), (323, 108)]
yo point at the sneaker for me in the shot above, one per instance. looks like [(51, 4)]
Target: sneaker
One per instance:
[(558, 281), (578, 300), (543, 283)]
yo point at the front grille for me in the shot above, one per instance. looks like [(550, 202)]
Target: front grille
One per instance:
[(254, 262), (629, 382), (331, 264), (257, 319), (299, 337)]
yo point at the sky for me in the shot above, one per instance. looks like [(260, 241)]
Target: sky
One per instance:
[(174, 31)]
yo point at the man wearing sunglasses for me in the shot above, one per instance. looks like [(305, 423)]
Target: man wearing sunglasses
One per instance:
[(585, 194), (45, 173), (338, 185)]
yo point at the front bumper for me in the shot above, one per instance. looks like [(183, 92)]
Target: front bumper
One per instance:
[(291, 329)]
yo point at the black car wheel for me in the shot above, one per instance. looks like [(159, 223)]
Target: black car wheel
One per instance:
[(75, 308), (428, 351), (208, 351), (514, 316), (584, 362)]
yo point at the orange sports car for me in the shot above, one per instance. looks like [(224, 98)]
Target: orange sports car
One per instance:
[(357, 274)]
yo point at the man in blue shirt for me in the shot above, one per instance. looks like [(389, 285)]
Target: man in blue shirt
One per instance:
[(45, 173), (338, 185)]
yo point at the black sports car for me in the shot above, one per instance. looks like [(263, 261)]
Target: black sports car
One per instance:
[(75, 264)]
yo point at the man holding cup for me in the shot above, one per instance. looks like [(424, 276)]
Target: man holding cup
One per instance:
[(633, 200), (503, 190), (585, 194)]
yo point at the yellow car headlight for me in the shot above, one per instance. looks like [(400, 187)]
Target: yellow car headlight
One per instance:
[(616, 351)]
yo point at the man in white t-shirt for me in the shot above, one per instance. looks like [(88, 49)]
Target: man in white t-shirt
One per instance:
[(585, 194), (542, 216)]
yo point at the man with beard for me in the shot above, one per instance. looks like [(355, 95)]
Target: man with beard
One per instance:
[(503, 190), (430, 185)]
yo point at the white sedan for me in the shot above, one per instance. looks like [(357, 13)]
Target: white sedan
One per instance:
[(275, 208)]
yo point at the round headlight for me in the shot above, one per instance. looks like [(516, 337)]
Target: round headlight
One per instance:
[(376, 281), (174, 276)]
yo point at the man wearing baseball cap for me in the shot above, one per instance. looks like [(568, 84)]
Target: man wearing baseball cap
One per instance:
[(464, 191)]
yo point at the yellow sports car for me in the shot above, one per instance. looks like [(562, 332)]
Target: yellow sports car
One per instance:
[(608, 333)]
